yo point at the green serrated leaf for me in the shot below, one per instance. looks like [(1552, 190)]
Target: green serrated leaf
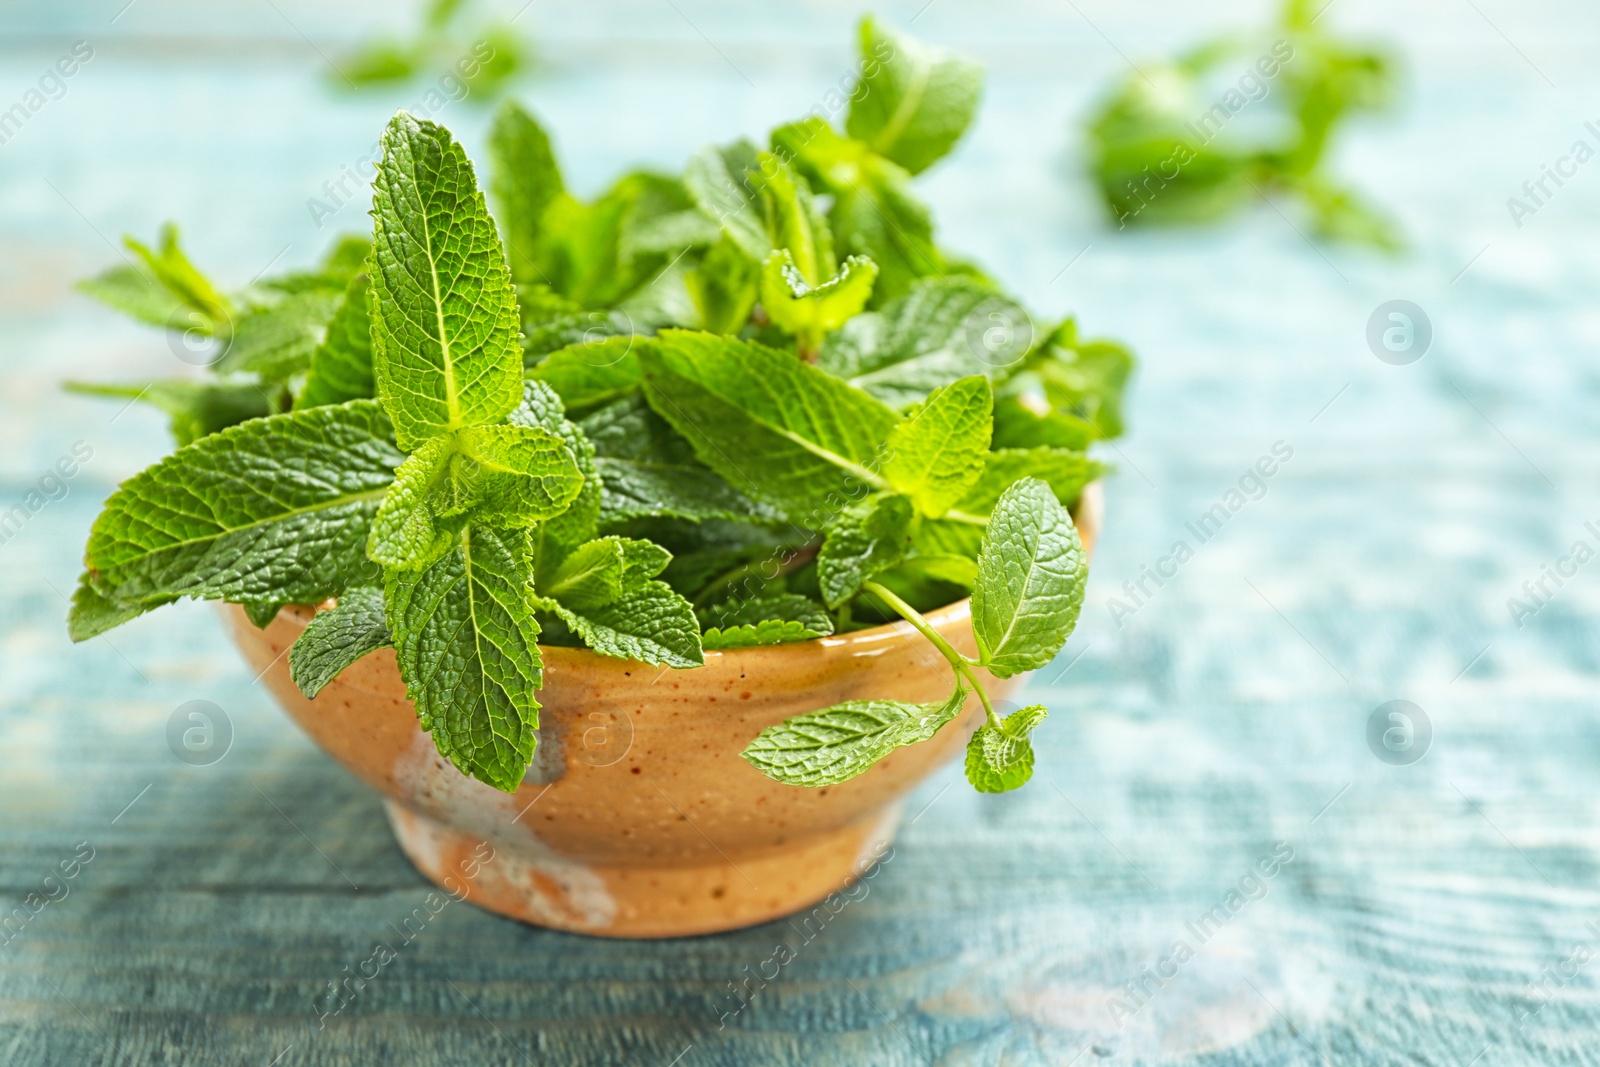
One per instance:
[(515, 475), (444, 327), (916, 101), (775, 427), (336, 638), (1031, 578), (594, 372), (466, 641), (648, 470), (943, 330), (810, 312), (937, 454), (272, 509), (341, 366), (718, 179), (835, 744), (277, 340), (93, 613), (1000, 758), (1065, 471), (589, 578), (863, 540), (524, 179), (648, 622), (405, 532), (874, 213), (724, 287), (772, 620), (542, 408), (795, 223)]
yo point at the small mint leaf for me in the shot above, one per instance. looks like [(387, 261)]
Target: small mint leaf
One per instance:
[(835, 744), (1000, 758), (341, 366), (405, 535), (444, 329), (811, 311), (336, 638), (466, 640), (865, 539), (938, 452), (917, 100), (1031, 578)]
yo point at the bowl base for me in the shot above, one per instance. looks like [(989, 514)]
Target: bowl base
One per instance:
[(636, 901)]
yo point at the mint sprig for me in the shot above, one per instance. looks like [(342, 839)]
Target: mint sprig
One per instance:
[(747, 405)]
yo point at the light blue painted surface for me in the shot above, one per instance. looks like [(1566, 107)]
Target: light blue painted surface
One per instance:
[(1423, 904)]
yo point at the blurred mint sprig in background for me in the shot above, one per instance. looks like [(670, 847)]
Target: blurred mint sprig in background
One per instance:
[(1195, 138), (483, 56)]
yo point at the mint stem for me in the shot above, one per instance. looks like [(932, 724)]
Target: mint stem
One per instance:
[(961, 664)]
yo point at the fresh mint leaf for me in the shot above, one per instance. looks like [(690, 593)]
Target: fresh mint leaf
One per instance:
[(863, 540), (1019, 425), (917, 100), (195, 407), (718, 179), (93, 612), (444, 332), (809, 311), (590, 577), (936, 455), (1031, 578), (405, 532), (724, 287), (524, 179), (772, 620), (795, 223), (943, 330), (874, 213), (1000, 757), (775, 427), (336, 638), (647, 470), (835, 744), (591, 373), (341, 366), (272, 509), (1084, 378), (466, 641), (516, 475), (560, 534), (276, 339), (647, 622), (1066, 473)]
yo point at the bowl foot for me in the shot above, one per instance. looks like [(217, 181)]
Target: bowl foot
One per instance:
[(524, 880)]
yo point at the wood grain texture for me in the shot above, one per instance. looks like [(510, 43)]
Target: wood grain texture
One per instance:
[(1429, 911)]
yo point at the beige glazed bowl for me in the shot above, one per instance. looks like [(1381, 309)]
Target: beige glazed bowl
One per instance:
[(638, 817)]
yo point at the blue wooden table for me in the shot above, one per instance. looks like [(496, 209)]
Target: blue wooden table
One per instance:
[(1212, 865)]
